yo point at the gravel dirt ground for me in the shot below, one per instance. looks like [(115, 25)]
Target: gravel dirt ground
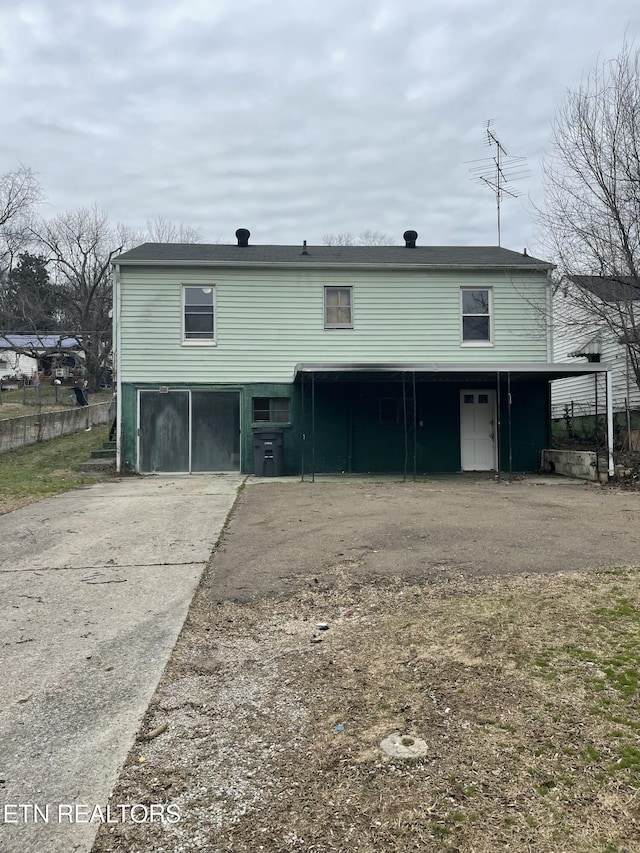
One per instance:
[(499, 622)]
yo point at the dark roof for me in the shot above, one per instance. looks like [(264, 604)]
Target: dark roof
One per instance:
[(488, 257), (609, 288)]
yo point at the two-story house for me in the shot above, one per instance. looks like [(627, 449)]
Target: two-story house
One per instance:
[(368, 359)]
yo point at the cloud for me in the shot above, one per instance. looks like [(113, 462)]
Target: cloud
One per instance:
[(292, 119)]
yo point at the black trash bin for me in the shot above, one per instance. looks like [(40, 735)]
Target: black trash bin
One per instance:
[(268, 452)]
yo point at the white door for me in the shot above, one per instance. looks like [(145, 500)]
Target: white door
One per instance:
[(477, 430)]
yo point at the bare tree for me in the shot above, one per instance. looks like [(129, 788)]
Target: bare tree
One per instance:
[(80, 246), (20, 193), (591, 213), (365, 238), (160, 230)]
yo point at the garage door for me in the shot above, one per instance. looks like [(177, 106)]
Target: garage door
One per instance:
[(189, 431)]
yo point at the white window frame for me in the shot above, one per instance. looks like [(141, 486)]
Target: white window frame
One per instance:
[(199, 342), (329, 287), (476, 343)]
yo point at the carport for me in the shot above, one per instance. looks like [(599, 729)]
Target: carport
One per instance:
[(416, 418)]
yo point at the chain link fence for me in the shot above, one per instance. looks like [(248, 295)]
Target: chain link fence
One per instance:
[(48, 395)]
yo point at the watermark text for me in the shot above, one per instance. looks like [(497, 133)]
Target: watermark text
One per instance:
[(22, 813)]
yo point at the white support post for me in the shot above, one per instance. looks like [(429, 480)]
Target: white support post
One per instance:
[(611, 469), (117, 342)]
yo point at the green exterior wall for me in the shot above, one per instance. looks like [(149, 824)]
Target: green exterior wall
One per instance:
[(529, 432), (340, 422), (349, 437), (247, 393)]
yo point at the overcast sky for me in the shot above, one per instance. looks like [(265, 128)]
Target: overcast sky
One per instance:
[(294, 119)]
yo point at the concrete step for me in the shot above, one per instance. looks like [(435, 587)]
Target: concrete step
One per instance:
[(109, 445), (99, 464), (104, 453)]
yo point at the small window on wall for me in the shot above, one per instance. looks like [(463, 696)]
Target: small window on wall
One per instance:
[(198, 314), (275, 410), (338, 308), (476, 315)]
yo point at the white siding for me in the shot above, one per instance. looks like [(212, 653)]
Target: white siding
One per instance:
[(17, 363), (579, 391), (573, 329), (269, 320)]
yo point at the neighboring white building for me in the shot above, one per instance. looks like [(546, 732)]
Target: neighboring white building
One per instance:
[(581, 336), (16, 365), (44, 356)]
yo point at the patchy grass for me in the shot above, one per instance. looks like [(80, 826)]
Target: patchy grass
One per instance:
[(525, 689), (48, 468)]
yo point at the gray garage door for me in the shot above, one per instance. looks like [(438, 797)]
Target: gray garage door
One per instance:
[(189, 431)]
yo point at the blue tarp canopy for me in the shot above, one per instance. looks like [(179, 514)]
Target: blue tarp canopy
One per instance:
[(38, 342)]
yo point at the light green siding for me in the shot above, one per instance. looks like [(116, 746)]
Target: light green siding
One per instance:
[(268, 320)]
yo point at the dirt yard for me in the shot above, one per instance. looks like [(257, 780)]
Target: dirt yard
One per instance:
[(498, 622)]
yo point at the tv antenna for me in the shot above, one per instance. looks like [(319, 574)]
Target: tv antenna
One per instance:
[(499, 171)]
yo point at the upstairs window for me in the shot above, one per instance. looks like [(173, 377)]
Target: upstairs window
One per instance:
[(275, 410), (476, 315), (198, 314), (338, 308)]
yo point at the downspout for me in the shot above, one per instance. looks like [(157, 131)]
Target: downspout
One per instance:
[(117, 337), (611, 469)]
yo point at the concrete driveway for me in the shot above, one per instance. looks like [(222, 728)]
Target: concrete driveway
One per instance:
[(95, 585)]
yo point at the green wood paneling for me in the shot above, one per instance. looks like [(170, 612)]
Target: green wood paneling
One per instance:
[(346, 435), (530, 424)]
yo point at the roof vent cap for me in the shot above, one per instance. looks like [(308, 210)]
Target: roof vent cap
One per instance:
[(243, 235), (410, 238)]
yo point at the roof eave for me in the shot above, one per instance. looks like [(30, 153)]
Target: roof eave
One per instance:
[(327, 265)]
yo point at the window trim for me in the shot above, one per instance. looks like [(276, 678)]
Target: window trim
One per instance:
[(329, 287), (476, 343), (199, 342)]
